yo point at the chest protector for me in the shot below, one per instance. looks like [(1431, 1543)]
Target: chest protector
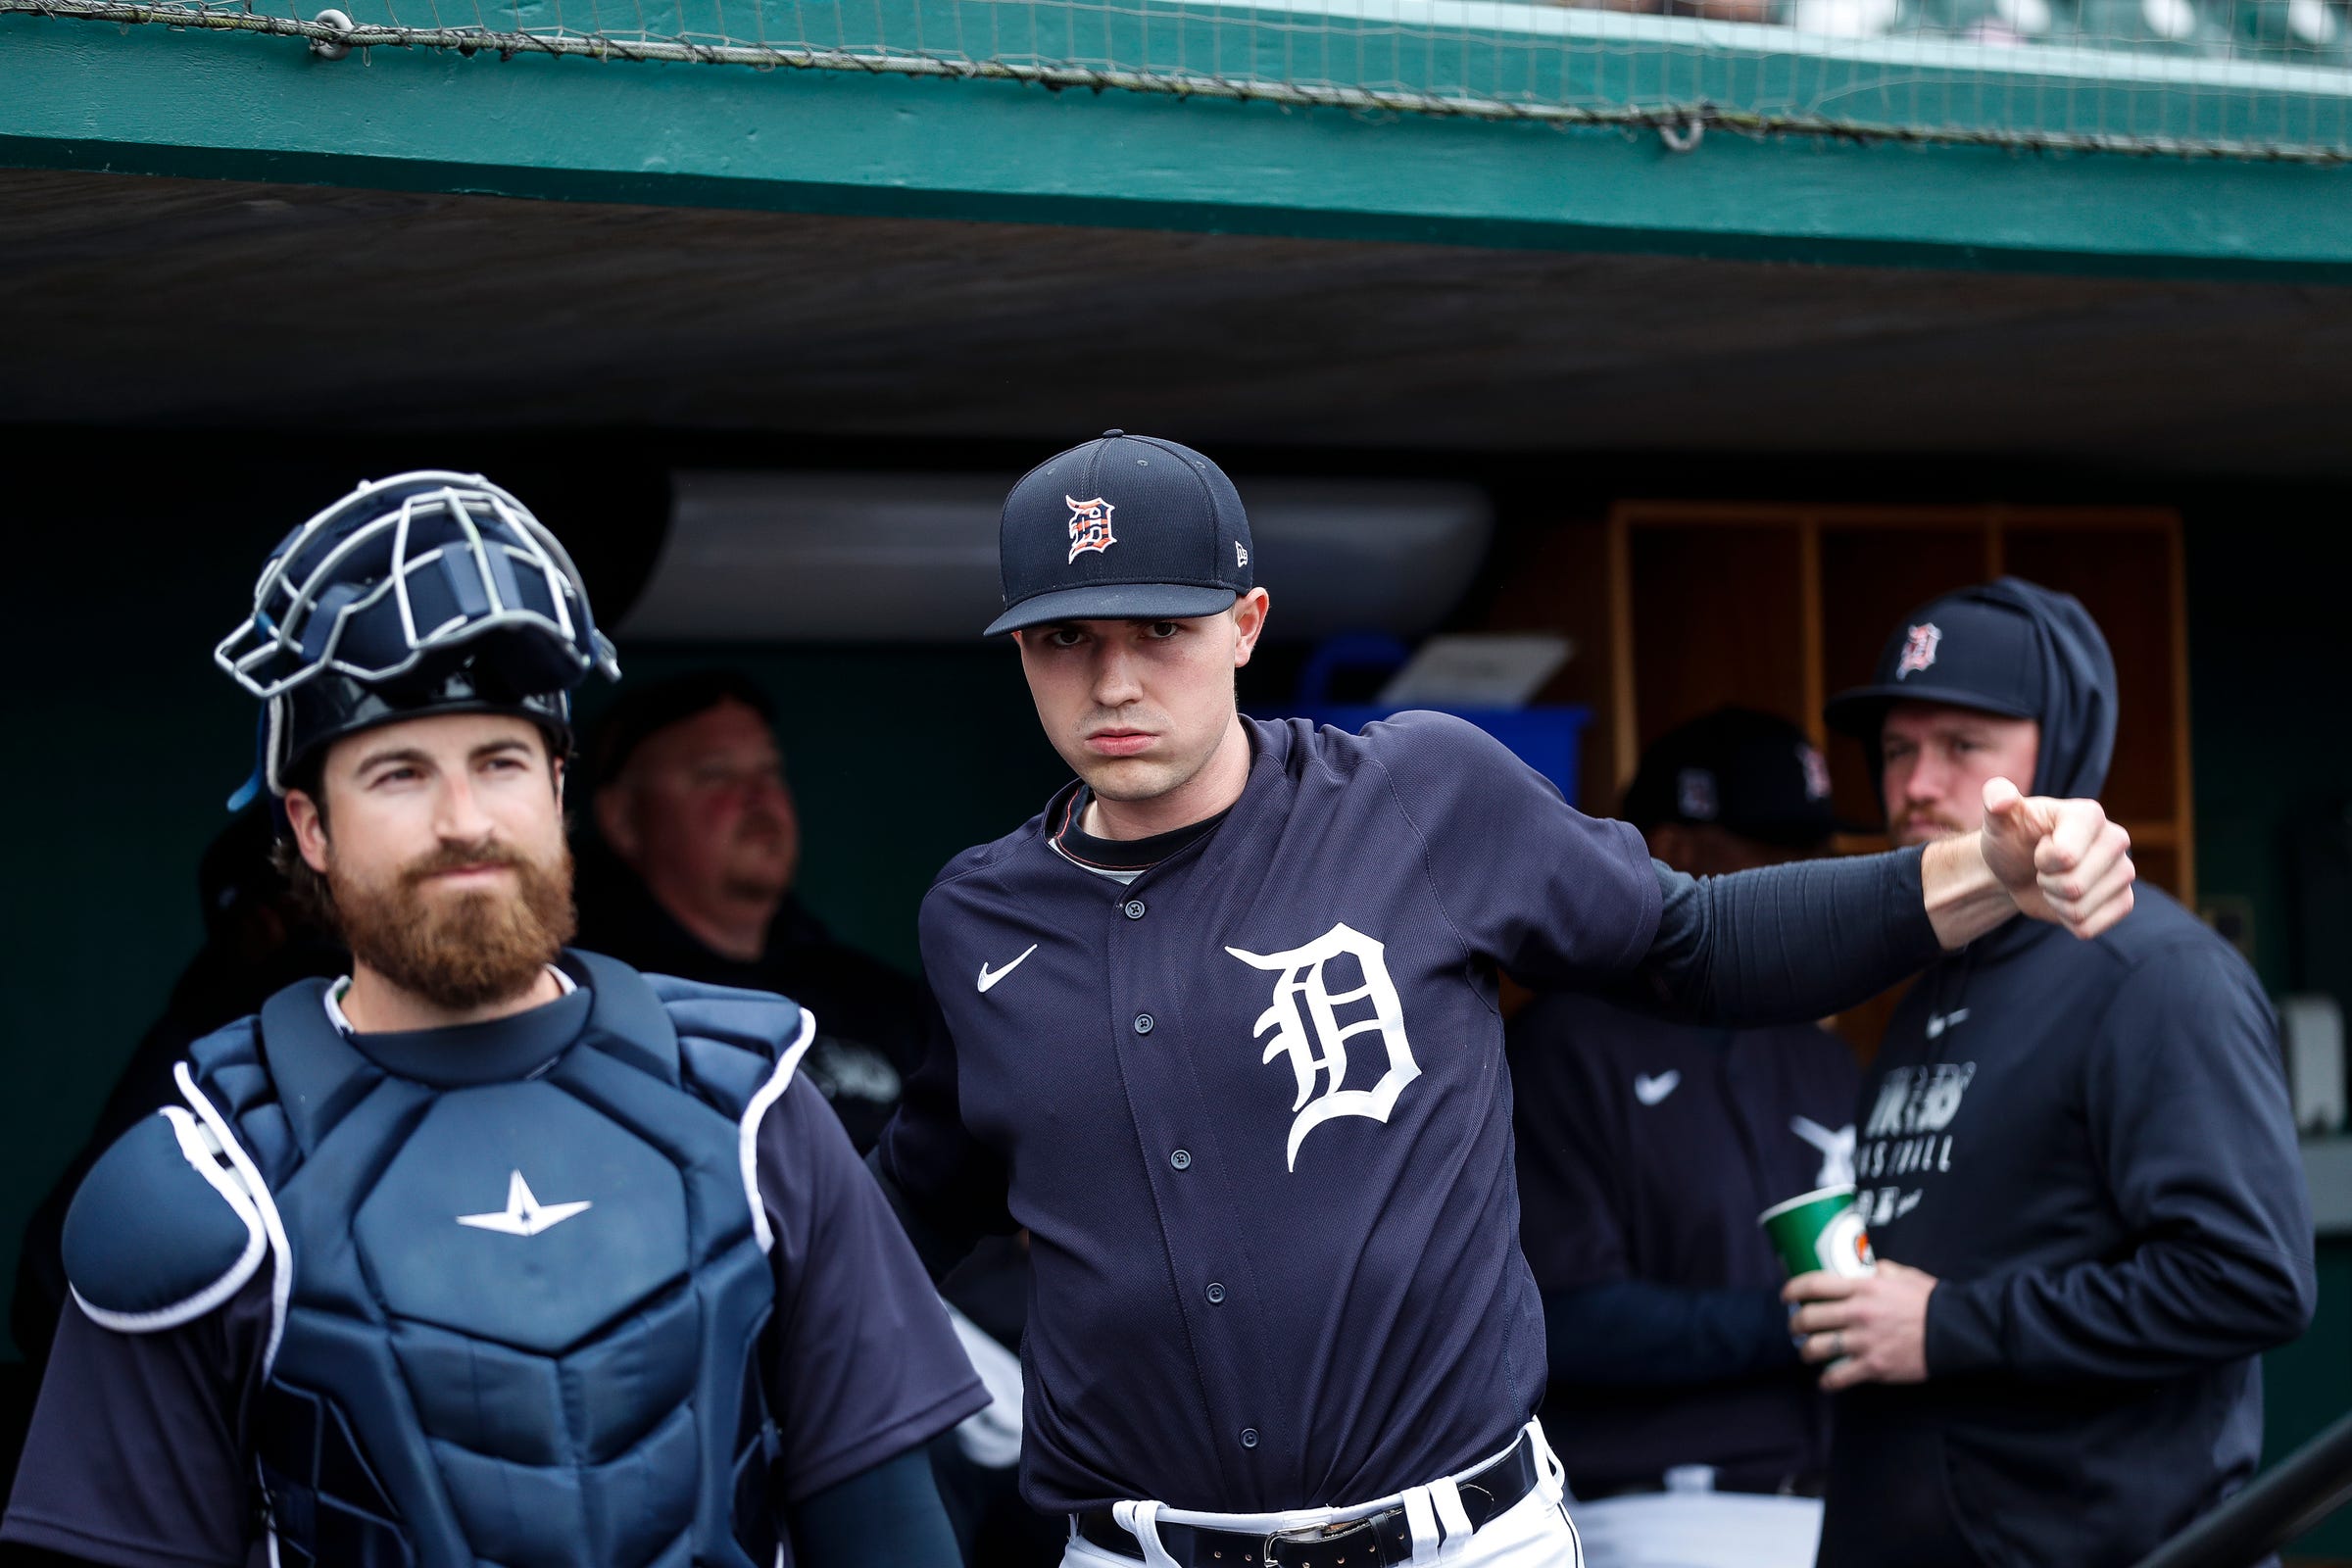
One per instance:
[(518, 1317)]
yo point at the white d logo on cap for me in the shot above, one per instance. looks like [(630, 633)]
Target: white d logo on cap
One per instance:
[(1918, 649), (1089, 525)]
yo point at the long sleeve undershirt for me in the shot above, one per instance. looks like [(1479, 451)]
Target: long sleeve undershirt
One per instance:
[(887, 1517), (1788, 944)]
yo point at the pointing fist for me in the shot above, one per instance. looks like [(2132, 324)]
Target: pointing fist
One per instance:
[(2059, 860)]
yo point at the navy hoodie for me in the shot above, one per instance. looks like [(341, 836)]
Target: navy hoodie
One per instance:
[(2089, 1144)]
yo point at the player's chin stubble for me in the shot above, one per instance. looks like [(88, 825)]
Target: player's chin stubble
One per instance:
[(465, 952)]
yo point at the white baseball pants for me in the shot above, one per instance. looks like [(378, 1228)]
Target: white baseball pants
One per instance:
[(1699, 1530), (1533, 1533)]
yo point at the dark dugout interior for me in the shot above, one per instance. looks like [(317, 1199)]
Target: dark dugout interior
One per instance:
[(192, 367)]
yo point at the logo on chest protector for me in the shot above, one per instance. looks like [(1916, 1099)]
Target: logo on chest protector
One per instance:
[(1304, 1018), (524, 1214)]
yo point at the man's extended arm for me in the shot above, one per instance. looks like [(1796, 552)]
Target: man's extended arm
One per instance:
[(1603, 1326), (1791, 943), (1631, 1333), (887, 1517)]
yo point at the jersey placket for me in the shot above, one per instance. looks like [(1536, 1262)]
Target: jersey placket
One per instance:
[(1155, 936)]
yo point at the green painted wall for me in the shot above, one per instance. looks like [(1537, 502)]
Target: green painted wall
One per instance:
[(144, 99)]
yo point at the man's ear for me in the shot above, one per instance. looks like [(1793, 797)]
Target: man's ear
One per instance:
[(555, 767), (1248, 621), (309, 829), (614, 823)]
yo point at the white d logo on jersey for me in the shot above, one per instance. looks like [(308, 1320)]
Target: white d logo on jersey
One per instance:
[(1304, 1018)]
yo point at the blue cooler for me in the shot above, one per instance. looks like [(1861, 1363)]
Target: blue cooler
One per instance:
[(1547, 739)]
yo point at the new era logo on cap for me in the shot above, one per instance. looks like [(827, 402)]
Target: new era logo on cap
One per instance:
[(1180, 547)]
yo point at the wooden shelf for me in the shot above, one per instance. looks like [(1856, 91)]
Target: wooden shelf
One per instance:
[(1776, 606)]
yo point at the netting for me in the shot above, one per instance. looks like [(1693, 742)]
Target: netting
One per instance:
[(2236, 79)]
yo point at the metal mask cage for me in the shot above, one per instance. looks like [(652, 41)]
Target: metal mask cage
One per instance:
[(498, 548)]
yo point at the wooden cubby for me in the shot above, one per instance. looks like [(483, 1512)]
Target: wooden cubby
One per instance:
[(1779, 606), (1682, 607)]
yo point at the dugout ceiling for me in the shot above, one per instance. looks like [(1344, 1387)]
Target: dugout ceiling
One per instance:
[(155, 302)]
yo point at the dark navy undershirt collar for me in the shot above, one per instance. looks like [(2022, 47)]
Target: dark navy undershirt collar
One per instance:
[(1125, 855), (490, 1052)]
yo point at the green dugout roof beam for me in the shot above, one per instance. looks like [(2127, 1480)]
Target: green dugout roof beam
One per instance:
[(145, 99)]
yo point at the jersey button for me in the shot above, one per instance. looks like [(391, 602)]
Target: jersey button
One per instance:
[(1142, 1023), (1216, 1294), (1249, 1436), (1133, 909), (1181, 1158)]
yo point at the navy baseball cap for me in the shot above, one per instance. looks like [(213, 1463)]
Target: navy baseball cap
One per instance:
[(1125, 528), (1961, 649), (1745, 771)]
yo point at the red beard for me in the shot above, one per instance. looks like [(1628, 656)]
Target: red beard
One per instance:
[(462, 953)]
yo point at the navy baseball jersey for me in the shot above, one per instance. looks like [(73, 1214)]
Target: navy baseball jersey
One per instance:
[(1646, 1150), (1251, 1108), (142, 1447)]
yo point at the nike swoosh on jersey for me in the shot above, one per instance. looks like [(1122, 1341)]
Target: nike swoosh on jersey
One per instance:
[(1650, 1091), (989, 978)]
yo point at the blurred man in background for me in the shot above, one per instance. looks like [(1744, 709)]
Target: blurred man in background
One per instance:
[(2076, 1164), (700, 846), (1647, 1148), (704, 845)]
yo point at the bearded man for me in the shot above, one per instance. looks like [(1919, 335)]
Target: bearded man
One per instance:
[(2076, 1162), (491, 1251)]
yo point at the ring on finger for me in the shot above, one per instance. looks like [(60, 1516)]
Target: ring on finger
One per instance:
[(1837, 1346)]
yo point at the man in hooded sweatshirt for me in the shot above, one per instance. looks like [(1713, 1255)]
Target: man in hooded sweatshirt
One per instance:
[(2075, 1162)]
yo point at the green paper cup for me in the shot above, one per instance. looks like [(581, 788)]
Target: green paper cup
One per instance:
[(1821, 1230)]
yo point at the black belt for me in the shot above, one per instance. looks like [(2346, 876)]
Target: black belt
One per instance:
[(1380, 1539)]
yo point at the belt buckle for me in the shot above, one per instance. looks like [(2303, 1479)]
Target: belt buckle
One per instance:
[(1329, 1546)]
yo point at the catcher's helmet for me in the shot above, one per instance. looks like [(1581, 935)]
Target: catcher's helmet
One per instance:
[(425, 593)]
